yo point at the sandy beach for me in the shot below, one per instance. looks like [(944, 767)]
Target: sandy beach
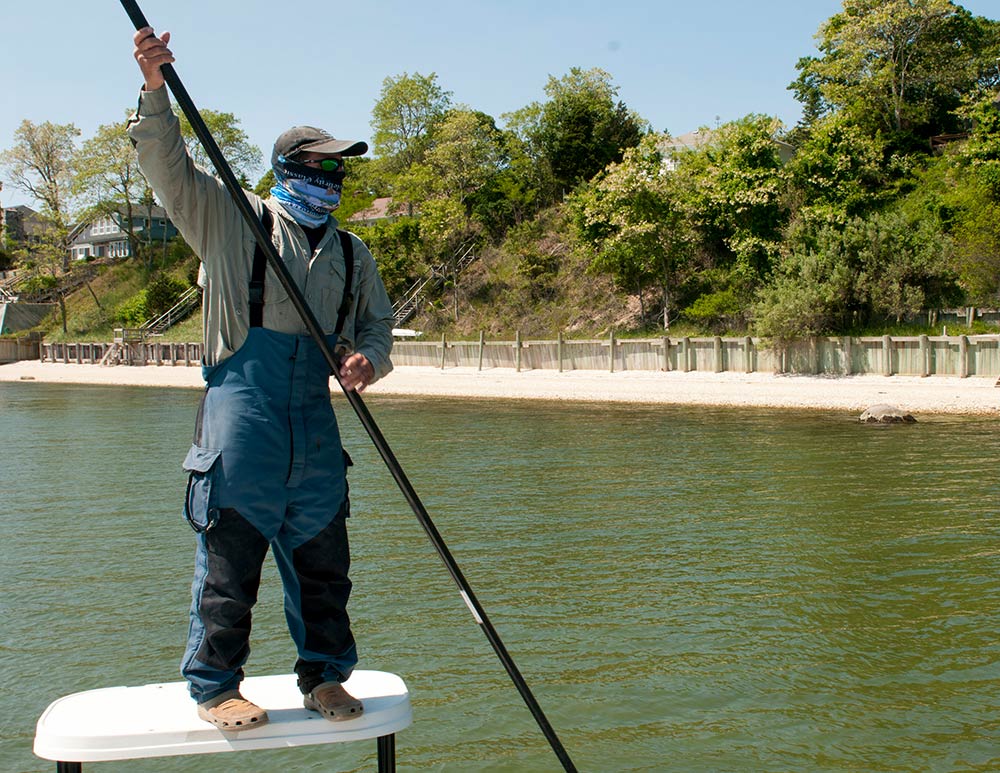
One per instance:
[(933, 395)]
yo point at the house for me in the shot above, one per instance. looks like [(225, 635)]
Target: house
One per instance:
[(104, 237), (383, 208), (20, 226), (699, 138)]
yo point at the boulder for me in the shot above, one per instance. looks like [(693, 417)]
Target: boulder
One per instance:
[(886, 414)]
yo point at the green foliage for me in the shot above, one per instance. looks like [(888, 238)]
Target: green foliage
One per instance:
[(833, 277), (982, 151), (134, 311), (40, 164), (162, 293), (955, 198), (690, 221), (39, 283), (735, 186), (582, 128), (897, 66), (716, 311), (841, 171), (396, 245), (243, 157), (408, 108), (265, 183), (462, 158), (636, 218)]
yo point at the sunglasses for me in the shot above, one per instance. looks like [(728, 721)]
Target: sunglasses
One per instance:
[(326, 164)]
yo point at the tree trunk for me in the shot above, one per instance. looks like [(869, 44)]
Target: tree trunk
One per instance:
[(94, 295), (149, 235)]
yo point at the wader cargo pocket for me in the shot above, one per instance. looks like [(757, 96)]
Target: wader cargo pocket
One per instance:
[(199, 503)]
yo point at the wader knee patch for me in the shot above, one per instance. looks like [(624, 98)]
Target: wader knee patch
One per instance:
[(322, 565), (235, 552)]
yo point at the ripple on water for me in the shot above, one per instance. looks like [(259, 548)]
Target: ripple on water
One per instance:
[(683, 590)]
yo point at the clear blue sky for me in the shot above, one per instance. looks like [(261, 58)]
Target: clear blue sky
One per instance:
[(680, 65)]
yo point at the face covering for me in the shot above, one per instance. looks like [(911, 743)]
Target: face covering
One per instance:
[(309, 195)]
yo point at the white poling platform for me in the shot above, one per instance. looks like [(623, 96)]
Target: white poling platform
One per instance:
[(161, 720)]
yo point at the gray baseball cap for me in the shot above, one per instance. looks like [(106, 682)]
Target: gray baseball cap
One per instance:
[(308, 138)]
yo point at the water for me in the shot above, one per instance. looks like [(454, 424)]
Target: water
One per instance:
[(683, 589)]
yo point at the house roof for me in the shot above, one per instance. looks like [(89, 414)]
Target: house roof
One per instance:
[(699, 138), (22, 209), (689, 141), (380, 208), (138, 211)]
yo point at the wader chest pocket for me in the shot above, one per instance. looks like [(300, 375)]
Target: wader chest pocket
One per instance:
[(200, 508)]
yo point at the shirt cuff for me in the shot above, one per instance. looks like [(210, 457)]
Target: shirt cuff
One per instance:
[(154, 102)]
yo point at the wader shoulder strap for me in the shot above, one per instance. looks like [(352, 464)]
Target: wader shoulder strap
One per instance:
[(258, 272), (348, 298)]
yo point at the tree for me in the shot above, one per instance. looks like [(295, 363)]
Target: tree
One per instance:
[(243, 157), (407, 109), (466, 152), (396, 245), (706, 228), (884, 266), (959, 192), (734, 189), (40, 164), (841, 171), (633, 216), (109, 181), (898, 65), (581, 128), (47, 259), (982, 151), (265, 183), (808, 91), (528, 160)]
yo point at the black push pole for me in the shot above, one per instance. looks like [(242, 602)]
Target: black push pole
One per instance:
[(309, 319)]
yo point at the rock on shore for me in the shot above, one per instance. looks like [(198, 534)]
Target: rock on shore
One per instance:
[(886, 414)]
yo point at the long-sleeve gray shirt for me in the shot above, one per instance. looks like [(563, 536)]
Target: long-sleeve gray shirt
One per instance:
[(208, 219)]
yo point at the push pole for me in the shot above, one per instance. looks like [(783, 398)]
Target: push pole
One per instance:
[(316, 332)]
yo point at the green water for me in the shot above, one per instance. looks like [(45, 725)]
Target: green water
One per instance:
[(683, 589)]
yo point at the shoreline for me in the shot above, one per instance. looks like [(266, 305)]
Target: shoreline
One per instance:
[(913, 394)]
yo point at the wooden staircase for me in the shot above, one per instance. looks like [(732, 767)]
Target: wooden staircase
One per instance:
[(180, 311), (405, 308)]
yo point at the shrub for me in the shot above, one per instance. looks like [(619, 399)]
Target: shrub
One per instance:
[(162, 293), (134, 311), (39, 284)]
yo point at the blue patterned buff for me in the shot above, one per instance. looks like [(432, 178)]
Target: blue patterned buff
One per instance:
[(309, 195)]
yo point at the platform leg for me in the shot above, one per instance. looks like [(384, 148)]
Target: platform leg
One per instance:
[(387, 753), (69, 767)]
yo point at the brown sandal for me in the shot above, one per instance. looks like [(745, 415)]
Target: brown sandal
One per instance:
[(334, 702), (231, 711)]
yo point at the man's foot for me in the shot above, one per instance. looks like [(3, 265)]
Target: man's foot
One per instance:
[(334, 702), (231, 711)]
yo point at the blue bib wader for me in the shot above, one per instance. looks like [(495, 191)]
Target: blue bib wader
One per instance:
[(267, 470)]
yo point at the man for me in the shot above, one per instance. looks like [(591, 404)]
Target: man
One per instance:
[(266, 468)]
